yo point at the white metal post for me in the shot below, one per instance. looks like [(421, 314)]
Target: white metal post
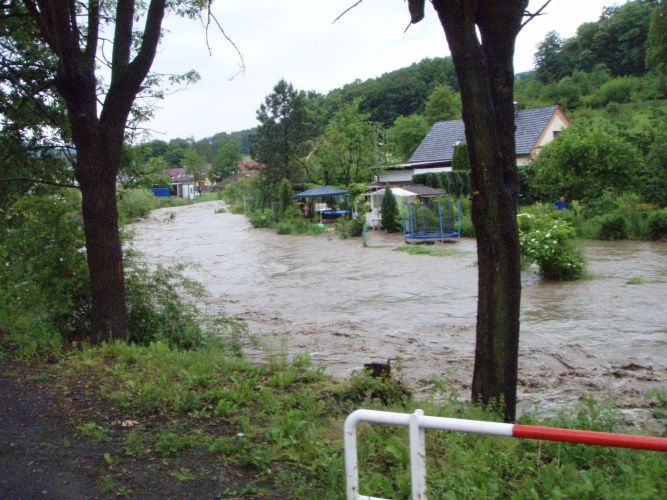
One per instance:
[(351, 465), (418, 456)]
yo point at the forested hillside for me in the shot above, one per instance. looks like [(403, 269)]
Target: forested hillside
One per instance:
[(612, 73)]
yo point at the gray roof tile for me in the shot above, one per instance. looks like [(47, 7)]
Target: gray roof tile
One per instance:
[(438, 145)]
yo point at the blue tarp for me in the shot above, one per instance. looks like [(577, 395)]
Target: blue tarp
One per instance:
[(161, 192), (321, 191)]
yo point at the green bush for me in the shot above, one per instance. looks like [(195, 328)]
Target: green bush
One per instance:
[(548, 242), (45, 296), (294, 222), (613, 227), (658, 224), (45, 275), (350, 228), (157, 310), (261, 218), (618, 90)]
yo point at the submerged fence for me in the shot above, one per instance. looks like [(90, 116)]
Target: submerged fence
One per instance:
[(418, 423)]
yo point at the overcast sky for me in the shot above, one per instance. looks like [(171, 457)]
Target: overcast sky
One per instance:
[(296, 40)]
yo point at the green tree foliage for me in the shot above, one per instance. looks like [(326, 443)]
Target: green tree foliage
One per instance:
[(175, 152), (195, 165), (152, 149), (51, 51), (442, 104), (44, 274), (226, 161), (283, 137), (584, 162), (389, 212), (402, 92), (406, 134), (461, 160), (549, 63), (137, 173), (617, 40), (656, 43), (654, 178), (346, 151)]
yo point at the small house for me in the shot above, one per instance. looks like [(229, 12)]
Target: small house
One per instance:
[(535, 128)]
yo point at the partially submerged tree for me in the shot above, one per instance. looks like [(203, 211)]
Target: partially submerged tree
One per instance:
[(485, 71), (68, 34)]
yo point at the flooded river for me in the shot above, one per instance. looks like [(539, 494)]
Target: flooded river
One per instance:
[(346, 305)]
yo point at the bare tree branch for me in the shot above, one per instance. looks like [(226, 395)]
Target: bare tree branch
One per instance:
[(531, 16), (346, 11), (210, 16)]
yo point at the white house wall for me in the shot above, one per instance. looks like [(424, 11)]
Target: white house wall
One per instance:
[(557, 123), (405, 176)]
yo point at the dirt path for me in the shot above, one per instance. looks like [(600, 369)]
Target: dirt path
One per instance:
[(44, 454), (37, 457)]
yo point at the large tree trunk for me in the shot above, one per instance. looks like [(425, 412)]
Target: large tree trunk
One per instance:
[(97, 180), (485, 73), (99, 140)]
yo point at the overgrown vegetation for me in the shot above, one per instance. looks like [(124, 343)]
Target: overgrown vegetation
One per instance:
[(134, 204), (282, 421), (45, 300)]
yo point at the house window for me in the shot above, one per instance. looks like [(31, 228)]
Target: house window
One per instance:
[(556, 132)]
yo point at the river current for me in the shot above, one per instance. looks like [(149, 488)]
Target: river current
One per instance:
[(344, 305)]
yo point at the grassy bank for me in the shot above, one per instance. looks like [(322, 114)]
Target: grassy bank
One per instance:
[(135, 204), (279, 425)]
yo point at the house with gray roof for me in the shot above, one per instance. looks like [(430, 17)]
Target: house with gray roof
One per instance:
[(534, 129)]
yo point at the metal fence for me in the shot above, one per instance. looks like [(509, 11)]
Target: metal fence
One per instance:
[(418, 423)]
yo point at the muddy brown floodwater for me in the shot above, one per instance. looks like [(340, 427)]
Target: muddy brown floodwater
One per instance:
[(345, 305)]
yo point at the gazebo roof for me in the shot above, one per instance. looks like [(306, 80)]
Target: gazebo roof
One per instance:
[(321, 191)]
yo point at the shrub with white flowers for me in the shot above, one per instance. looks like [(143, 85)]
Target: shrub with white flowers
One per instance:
[(548, 242)]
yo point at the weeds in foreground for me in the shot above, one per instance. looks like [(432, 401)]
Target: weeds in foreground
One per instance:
[(283, 422)]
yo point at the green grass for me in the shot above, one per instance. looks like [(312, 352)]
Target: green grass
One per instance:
[(94, 431), (134, 204), (638, 280), (283, 421), (432, 250)]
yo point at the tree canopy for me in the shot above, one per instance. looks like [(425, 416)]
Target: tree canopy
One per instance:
[(283, 138), (50, 63)]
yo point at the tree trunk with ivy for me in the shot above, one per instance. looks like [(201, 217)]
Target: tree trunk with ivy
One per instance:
[(99, 139), (486, 75)]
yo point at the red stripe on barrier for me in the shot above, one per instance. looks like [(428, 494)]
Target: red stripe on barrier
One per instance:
[(590, 437)]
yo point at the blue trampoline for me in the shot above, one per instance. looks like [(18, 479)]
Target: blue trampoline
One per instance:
[(433, 221)]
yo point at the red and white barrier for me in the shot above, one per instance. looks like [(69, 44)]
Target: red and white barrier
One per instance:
[(418, 423)]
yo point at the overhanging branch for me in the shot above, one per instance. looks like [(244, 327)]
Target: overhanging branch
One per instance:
[(532, 16)]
